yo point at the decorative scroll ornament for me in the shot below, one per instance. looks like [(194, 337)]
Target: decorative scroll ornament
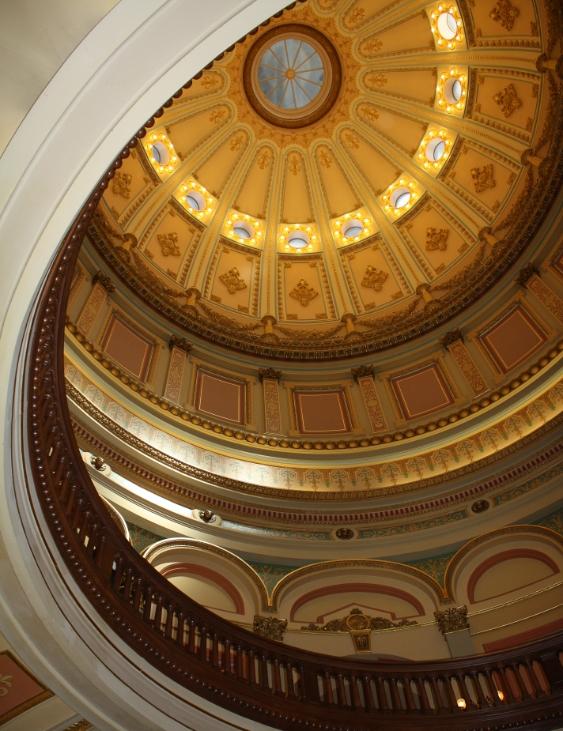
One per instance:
[(104, 280), (452, 619), (360, 626), (270, 373), (121, 184), (508, 100), (5, 684), (182, 343), (264, 158), (271, 628), (374, 278), (303, 293), (233, 281), (437, 239), (505, 13), (169, 244), (483, 178)]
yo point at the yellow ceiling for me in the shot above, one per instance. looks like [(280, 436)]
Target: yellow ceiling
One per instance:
[(466, 158)]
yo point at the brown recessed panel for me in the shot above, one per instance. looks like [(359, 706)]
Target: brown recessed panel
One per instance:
[(422, 391), (127, 346), (512, 338), (322, 412), (221, 397), (19, 690)]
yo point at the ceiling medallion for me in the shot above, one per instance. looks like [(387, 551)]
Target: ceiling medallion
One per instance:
[(292, 75)]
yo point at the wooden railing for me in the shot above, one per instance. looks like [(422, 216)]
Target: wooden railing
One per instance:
[(280, 686)]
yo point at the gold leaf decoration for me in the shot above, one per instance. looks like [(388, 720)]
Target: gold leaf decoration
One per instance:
[(121, 184), (374, 278), (505, 13), (437, 239), (483, 178), (169, 244), (303, 293), (508, 100), (233, 281)]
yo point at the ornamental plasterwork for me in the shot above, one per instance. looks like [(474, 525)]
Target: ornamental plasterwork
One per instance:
[(303, 293), (121, 184), (508, 100), (357, 620), (233, 281), (168, 244), (437, 239), (505, 13), (483, 178), (452, 619), (271, 628), (374, 278), (375, 80)]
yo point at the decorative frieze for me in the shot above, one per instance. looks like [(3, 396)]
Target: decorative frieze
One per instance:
[(549, 299), (96, 300), (271, 395), (175, 375), (360, 626), (458, 350), (364, 378)]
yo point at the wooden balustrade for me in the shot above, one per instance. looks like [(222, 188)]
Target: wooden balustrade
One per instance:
[(278, 685)]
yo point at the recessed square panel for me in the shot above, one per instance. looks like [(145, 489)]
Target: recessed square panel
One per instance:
[(19, 690), (512, 338), (322, 412), (127, 346), (221, 397), (422, 391)]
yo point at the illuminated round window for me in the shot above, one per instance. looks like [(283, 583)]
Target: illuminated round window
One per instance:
[(159, 153), (292, 75), (447, 26), (401, 197), (298, 240), (242, 230), (453, 90), (352, 229), (195, 200), (435, 149)]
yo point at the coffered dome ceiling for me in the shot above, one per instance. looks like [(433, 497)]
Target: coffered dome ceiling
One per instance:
[(345, 178), (351, 177)]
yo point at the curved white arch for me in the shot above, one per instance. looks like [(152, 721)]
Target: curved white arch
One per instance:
[(100, 97)]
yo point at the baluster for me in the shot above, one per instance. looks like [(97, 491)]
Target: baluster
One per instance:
[(355, 693), (215, 651), (411, 704), (241, 662), (327, 685), (276, 679), (424, 702), (148, 604), (138, 599), (128, 584), (340, 690), (481, 700), (227, 659), (381, 695), (191, 638), (368, 698), (450, 694), (180, 629), (251, 667), (536, 688), (395, 696), (492, 685), (264, 679), (158, 614), (203, 643)]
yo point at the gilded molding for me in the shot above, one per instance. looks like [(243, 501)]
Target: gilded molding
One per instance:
[(271, 628), (451, 619)]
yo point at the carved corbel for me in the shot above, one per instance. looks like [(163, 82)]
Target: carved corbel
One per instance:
[(271, 628), (487, 236), (451, 619)]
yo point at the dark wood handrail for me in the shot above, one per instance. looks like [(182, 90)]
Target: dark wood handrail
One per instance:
[(264, 680)]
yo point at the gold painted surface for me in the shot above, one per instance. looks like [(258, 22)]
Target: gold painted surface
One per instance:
[(392, 102)]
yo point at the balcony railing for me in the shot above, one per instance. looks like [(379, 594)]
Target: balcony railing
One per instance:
[(280, 686)]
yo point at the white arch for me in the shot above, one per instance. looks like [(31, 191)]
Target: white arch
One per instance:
[(100, 97)]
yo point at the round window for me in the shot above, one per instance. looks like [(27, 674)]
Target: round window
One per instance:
[(159, 153), (447, 26), (298, 240), (195, 200), (352, 229), (242, 230), (435, 149), (401, 198), (453, 90)]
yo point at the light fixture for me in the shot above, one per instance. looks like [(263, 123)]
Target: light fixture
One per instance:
[(435, 149), (298, 240), (447, 26), (461, 703), (352, 229), (195, 200), (400, 198), (242, 230)]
